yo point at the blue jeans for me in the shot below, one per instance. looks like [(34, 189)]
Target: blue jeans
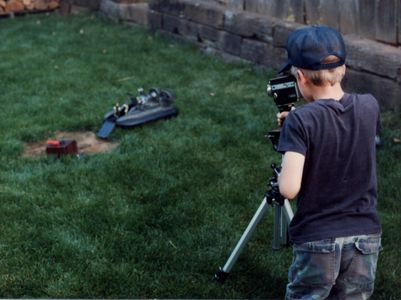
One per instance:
[(338, 268)]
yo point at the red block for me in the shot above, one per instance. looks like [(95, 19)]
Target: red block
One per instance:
[(61, 147)]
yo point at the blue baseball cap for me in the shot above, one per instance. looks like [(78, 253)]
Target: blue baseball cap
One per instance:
[(308, 46)]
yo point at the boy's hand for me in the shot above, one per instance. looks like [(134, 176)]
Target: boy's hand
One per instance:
[(281, 117)]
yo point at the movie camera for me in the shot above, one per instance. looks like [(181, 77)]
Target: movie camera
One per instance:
[(285, 93)]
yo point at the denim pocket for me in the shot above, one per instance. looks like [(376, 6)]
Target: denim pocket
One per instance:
[(369, 245), (313, 266)]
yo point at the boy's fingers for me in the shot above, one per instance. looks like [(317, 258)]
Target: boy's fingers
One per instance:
[(281, 116)]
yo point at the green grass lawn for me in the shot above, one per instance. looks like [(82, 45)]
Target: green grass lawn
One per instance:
[(156, 217)]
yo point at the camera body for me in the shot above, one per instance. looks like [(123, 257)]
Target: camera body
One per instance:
[(284, 91)]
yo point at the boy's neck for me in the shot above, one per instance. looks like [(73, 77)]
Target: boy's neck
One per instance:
[(328, 92)]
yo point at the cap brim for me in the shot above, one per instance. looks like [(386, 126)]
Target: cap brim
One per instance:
[(285, 68)]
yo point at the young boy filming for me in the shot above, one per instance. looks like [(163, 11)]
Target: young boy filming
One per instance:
[(329, 164)]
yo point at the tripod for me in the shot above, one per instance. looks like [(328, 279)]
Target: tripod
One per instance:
[(283, 215)]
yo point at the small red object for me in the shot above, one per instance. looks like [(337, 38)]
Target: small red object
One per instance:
[(53, 143), (61, 147)]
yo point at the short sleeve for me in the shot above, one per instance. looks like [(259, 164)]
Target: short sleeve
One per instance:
[(293, 136)]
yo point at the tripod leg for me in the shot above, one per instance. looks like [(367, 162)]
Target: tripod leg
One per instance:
[(284, 229), (283, 215), (286, 217), (222, 274), (277, 227), (289, 214)]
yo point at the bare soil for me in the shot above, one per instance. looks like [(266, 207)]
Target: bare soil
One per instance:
[(87, 142)]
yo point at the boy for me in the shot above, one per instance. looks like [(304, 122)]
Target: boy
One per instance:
[(329, 164)]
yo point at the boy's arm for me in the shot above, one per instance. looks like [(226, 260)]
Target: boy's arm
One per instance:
[(290, 177)]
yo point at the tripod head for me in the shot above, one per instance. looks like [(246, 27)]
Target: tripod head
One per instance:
[(274, 136), (273, 195)]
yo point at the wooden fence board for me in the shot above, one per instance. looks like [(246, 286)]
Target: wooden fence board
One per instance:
[(348, 20), (330, 11), (367, 19), (386, 21)]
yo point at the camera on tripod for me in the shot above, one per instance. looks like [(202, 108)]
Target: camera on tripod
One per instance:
[(284, 91)]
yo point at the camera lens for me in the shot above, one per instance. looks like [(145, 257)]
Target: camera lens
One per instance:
[(269, 89)]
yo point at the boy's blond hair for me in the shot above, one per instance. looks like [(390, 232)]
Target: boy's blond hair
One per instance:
[(325, 76)]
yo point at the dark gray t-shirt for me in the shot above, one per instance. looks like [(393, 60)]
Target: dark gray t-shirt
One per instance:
[(339, 187)]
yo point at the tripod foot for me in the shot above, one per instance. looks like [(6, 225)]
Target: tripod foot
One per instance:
[(220, 276)]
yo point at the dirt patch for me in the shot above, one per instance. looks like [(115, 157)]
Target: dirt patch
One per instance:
[(87, 142)]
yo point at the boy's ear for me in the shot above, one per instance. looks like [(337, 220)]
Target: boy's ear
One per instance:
[(301, 77)]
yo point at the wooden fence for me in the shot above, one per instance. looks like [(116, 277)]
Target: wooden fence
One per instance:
[(373, 19)]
